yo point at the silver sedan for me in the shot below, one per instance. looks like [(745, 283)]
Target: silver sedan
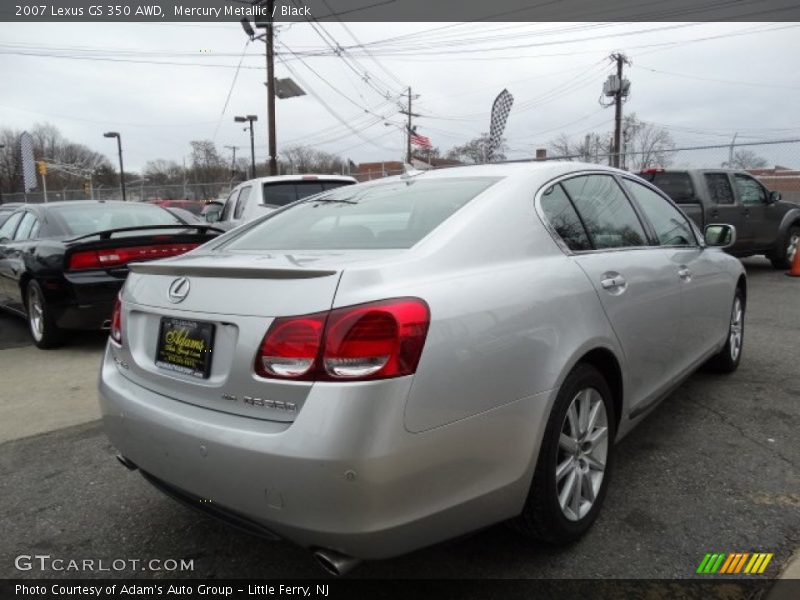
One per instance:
[(392, 364)]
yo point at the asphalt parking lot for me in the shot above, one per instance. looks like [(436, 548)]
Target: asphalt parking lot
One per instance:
[(716, 468)]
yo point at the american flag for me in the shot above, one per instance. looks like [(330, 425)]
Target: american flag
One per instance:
[(421, 141)]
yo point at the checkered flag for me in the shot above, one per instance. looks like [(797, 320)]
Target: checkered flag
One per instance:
[(27, 161), (500, 109)]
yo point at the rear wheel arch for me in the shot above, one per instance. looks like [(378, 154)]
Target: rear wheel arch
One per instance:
[(607, 364), (742, 285), (23, 288)]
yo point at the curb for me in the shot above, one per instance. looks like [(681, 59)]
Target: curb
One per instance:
[(786, 586)]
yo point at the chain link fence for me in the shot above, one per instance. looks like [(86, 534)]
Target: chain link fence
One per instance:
[(776, 163), (135, 191)]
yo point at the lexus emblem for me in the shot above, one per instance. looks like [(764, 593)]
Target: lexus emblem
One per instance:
[(178, 290)]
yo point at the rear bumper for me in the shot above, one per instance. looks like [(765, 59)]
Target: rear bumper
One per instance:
[(345, 475), (88, 302)]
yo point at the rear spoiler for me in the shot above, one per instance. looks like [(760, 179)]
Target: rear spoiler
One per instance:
[(106, 235), (165, 268)]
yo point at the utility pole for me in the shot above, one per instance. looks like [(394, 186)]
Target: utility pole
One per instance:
[(250, 119), (618, 88), (730, 151), (273, 144), (408, 133), (620, 58), (409, 127), (233, 161)]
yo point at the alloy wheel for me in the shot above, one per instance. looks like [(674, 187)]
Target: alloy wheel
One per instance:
[(35, 313), (582, 454), (737, 329)]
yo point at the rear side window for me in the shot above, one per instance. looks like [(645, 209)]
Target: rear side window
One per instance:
[(605, 211), (25, 227), (719, 188), (675, 184), (8, 228), (671, 227), (281, 194), (561, 215), (376, 216)]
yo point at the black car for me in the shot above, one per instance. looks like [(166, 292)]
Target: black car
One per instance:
[(62, 264)]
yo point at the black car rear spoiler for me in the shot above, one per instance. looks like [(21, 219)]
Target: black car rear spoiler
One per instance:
[(106, 235)]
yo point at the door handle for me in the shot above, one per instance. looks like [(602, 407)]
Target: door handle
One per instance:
[(613, 283), (746, 212), (685, 273)]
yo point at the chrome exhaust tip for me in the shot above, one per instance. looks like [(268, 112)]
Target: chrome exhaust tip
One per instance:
[(131, 466), (335, 563), (106, 326)]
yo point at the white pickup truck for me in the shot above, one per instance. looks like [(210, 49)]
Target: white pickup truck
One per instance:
[(256, 197)]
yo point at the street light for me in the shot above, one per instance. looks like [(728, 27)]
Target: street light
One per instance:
[(114, 134), (1, 181), (250, 118)]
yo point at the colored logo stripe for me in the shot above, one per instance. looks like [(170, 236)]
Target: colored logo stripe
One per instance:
[(734, 562)]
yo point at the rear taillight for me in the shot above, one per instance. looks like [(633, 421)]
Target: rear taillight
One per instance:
[(291, 346), (116, 322), (368, 341), (115, 257)]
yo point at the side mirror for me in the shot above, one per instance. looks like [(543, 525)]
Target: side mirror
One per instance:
[(212, 216), (720, 236), (4, 240), (774, 197)]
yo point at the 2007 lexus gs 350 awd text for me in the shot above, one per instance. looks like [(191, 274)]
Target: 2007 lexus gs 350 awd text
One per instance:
[(391, 364)]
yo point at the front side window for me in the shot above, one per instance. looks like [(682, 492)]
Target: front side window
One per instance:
[(671, 227), (241, 203), (227, 210), (561, 215), (377, 216), (606, 213), (749, 190), (719, 187)]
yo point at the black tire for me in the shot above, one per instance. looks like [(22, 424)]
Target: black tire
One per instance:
[(783, 258), (44, 332), (542, 517), (726, 360)]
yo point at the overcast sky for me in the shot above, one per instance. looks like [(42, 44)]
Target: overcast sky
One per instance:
[(704, 82)]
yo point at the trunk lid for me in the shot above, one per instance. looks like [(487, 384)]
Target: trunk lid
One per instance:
[(238, 296)]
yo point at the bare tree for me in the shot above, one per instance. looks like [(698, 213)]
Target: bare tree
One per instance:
[(51, 146), (589, 148), (646, 144), (746, 159), (305, 159), (476, 151), (162, 172)]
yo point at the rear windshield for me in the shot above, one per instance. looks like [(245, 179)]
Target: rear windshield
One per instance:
[(378, 216), (676, 184), (281, 194), (82, 219)]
